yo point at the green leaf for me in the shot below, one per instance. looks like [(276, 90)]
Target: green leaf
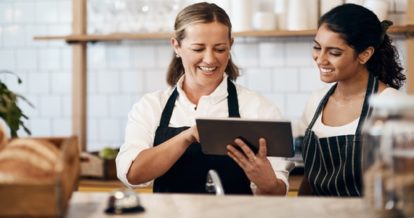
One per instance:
[(9, 109)]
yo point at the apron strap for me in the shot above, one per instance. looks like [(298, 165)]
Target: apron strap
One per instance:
[(168, 109), (321, 105), (232, 102), (372, 88)]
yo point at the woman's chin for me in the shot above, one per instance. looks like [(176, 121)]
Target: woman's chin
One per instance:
[(327, 79)]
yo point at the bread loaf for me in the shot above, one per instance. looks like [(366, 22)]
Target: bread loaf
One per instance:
[(28, 161), (3, 135)]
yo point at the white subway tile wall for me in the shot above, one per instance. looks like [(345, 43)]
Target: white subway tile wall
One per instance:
[(13, 36), (285, 79), (119, 73), (259, 79), (7, 57), (271, 53), (26, 59)]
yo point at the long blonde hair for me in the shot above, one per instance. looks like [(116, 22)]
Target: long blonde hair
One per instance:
[(198, 13)]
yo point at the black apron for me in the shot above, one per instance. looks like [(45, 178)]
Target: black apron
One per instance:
[(189, 173), (333, 164)]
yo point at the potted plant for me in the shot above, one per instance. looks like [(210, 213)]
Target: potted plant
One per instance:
[(10, 111), (108, 155)]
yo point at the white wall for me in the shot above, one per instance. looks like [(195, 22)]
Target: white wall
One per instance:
[(120, 72)]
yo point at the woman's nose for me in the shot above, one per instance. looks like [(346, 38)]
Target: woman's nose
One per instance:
[(209, 57), (320, 58)]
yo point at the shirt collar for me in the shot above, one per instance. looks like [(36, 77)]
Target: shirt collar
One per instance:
[(215, 97)]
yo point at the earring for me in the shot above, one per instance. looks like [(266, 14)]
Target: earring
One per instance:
[(177, 56)]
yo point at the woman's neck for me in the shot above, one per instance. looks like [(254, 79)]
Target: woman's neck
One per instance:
[(194, 92), (353, 87)]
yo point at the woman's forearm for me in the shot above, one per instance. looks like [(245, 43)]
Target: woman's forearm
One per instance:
[(275, 188), (153, 162)]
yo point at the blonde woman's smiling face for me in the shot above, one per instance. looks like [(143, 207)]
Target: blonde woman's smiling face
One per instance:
[(205, 53)]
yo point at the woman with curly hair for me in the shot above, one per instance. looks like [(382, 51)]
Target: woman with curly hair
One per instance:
[(353, 51)]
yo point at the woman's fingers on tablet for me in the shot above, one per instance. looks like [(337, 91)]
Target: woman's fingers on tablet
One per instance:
[(236, 155), (262, 148), (234, 158), (246, 150)]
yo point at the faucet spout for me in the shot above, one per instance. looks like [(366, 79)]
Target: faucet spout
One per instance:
[(213, 184)]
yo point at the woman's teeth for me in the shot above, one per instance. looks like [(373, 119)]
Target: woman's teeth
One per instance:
[(325, 70), (207, 68)]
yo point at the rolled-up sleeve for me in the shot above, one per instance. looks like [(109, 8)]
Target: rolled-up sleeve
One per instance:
[(139, 135), (124, 161), (282, 168)]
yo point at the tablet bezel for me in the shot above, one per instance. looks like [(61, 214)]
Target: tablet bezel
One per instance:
[(216, 133)]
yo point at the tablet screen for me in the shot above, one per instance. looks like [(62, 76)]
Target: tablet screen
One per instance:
[(216, 133)]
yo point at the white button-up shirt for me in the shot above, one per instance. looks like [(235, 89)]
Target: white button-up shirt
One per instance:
[(144, 118)]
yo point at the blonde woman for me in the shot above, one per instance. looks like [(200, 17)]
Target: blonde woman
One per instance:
[(161, 142)]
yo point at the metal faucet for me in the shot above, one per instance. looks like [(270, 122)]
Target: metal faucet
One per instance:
[(213, 184)]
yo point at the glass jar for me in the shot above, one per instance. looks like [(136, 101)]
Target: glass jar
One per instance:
[(388, 128), (399, 133)]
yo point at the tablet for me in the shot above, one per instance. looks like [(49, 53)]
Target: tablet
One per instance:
[(216, 133)]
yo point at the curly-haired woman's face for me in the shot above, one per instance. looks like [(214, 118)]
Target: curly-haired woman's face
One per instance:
[(336, 60)]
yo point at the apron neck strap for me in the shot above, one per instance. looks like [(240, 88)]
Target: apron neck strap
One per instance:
[(372, 87), (168, 109), (232, 103), (321, 105)]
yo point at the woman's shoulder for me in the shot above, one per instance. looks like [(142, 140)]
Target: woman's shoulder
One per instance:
[(316, 97), (154, 99), (389, 91), (318, 94), (313, 102), (245, 93)]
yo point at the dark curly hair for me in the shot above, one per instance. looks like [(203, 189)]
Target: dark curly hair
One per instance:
[(361, 28)]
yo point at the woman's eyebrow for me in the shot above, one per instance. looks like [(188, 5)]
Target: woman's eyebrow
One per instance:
[(330, 47)]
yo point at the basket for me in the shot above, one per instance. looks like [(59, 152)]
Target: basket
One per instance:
[(47, 199)]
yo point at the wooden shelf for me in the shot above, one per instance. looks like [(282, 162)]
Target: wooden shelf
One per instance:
[(107, 37), (409, 29)]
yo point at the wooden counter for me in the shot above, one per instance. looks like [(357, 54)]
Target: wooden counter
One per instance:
[(96, 185), (93, 204)]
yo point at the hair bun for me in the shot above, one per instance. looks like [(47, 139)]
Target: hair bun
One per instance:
[(385, 24)]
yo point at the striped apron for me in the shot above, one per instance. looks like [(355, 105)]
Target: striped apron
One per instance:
[(333, 164)]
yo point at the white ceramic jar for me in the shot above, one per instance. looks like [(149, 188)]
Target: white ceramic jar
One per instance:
[(379, 7)]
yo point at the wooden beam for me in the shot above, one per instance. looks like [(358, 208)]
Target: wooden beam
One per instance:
[(410, 64), (79, 74), (410, 48)]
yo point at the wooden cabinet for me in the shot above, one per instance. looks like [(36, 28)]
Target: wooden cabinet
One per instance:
[(79, 40)]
